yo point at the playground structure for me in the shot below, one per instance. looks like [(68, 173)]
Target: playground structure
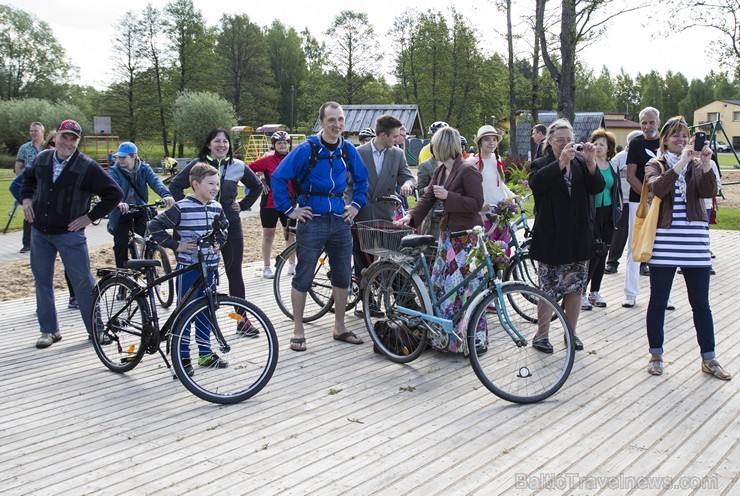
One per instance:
[(713, 128), (251, 144), (99, 148)]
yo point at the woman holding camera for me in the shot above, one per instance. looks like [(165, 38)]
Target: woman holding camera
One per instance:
[(607, 207), (563, 234), (682, 177)]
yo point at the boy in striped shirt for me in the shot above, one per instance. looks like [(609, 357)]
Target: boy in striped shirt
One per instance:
[(190, 218)]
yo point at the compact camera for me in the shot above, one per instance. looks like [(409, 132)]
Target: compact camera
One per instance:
[(578, 147)]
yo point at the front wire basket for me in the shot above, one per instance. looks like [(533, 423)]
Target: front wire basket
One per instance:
[(380, 237)]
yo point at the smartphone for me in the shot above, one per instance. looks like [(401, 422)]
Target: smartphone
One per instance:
[(699, 140)]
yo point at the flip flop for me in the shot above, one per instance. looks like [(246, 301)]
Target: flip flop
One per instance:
[(298, 344), (349, 337)]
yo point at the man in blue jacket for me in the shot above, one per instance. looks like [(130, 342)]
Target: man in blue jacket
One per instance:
[(134, 177), (318, 168), (56, 193)]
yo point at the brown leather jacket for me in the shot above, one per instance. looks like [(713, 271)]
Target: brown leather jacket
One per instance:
[(699, 185), (464, 185)]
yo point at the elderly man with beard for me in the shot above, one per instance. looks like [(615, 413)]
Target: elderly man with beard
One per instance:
[(642, 149)]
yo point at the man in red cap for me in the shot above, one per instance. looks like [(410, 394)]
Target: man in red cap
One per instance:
[(57, 189)]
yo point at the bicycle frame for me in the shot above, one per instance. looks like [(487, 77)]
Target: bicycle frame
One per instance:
[(448, 324), (189, 297)]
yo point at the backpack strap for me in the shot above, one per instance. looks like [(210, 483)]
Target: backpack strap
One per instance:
[(312, 160)]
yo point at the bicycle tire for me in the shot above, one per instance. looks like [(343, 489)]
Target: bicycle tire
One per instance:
[(119, 342), (517, 372), (385, 285), (166, 291), (523, 268), (251, 359), (318, 302)]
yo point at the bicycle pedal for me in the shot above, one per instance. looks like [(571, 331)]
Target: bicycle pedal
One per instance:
[(128, 359)]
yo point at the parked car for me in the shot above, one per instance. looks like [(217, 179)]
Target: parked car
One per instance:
[(723, 147)]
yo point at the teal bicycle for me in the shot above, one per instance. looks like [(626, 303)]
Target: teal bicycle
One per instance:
[(402, 315)]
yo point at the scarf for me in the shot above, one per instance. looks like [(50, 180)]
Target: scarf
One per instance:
[(671, 159)]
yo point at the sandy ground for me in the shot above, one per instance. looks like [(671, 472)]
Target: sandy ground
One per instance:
[(19, 280)]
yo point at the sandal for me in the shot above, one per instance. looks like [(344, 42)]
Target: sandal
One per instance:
[(298, 344), (349, 337), (655, 366), (713, 367)]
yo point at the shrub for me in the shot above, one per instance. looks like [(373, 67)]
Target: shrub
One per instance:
[(196, 113)]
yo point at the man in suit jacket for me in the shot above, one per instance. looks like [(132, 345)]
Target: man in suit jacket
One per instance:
[(388, 174)]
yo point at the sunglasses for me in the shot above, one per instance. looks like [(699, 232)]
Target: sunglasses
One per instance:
[(670, 122)]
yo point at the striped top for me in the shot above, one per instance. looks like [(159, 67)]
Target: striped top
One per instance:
[(190, 219), (684, 244)]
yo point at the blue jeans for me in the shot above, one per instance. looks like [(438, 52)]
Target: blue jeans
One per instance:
[(697, 287), (325, 232), (202, 329), (72, 247)]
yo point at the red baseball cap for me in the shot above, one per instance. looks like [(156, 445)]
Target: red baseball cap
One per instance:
[(70, 126)]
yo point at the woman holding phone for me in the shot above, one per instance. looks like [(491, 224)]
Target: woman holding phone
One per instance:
[(682, 177)]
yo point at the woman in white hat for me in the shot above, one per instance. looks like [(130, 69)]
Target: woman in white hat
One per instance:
[(488, 162)]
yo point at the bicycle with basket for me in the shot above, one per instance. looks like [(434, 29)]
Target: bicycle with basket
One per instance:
[(402, 315)]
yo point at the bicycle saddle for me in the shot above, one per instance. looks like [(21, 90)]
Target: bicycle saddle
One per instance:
[(141, 264), (417, 240)]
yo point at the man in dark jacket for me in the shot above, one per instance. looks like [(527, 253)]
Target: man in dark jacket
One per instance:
[(57, 190)]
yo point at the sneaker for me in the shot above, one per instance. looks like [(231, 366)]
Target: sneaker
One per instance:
[(48, 338), (644, 270), (629, 302), (73, 303), (25, 249), (267, 273), (585, 304), (291, 269), (213, 360), (246, 329), (712, 271), (188, 366), (670, 305), (610, 269), (596, 300)]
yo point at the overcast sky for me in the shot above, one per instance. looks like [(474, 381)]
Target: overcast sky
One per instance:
[(85, 27)]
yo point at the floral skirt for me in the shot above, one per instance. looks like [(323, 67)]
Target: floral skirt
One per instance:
[(559, 280), (449, 270)]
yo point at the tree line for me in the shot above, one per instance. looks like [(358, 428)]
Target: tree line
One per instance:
[(170, 65)]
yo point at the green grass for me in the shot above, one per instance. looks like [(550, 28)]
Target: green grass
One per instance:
[(726, 160), (727, 218)]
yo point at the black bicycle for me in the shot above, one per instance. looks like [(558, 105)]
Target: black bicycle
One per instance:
[(223, 349), (144, 248)]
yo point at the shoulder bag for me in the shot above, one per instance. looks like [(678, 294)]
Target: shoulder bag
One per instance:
[(645, 225)]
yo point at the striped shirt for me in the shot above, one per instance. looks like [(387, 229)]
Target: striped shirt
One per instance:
[(190, 219), (683, 244)]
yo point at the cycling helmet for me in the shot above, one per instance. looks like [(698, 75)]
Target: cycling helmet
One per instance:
[(463, 141), (368, 132), (279, 136), (436, 126)]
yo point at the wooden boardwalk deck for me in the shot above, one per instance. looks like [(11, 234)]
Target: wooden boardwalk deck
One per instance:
[(339, 419)]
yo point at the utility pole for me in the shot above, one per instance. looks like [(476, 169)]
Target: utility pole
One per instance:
[(292, 106)]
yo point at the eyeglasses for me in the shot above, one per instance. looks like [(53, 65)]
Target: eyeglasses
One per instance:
[(562, 141)]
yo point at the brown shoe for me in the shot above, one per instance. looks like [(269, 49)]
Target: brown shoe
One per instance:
[(713, 367), (655, 366)]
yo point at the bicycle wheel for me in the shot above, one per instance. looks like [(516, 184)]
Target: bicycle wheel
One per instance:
[(229, 371), (166, 291), (319, 298), (117, 325), (136, 247), (399, 337), (522, 268), (505, 361)]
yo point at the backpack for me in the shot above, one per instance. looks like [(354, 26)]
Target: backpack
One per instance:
[(312, 160)]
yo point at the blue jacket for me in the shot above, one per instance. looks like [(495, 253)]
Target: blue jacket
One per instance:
[(145, 176), (328, 176), (15, 188)]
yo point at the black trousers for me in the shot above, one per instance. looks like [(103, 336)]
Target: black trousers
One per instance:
[(120, 235)]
